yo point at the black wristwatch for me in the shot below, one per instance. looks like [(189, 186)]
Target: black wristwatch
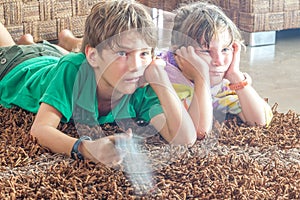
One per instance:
[(75, 153)]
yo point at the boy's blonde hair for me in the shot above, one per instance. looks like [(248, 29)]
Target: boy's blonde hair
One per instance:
[(201, 21), (109, 18)]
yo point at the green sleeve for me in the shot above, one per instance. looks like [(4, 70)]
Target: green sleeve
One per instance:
[(59, 93), (147, 103)]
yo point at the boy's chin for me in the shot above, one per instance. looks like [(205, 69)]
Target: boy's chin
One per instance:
[(128, 90)]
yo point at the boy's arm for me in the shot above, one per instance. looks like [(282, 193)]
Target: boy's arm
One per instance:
[(175, 125), (44, 129)]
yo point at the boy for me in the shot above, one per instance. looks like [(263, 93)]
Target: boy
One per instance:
[(99, 85)]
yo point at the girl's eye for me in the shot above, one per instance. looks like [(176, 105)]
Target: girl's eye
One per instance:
[(227, 50), (202, 51), (121, 53)]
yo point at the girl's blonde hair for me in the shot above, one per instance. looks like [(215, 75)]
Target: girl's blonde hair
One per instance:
[(201, 21), (110, 18)]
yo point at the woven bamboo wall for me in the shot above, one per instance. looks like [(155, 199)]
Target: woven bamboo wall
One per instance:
[(45, 18), (249, 15)]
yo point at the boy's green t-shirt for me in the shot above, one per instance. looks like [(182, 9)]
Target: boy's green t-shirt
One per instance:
[(68, 84)]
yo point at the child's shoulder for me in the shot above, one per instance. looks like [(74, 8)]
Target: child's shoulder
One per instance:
[(74, 58)]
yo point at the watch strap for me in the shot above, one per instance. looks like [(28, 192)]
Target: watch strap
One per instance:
[(75, 153)]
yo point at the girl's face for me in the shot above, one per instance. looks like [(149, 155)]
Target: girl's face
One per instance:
[(219, 55), (122, 68)]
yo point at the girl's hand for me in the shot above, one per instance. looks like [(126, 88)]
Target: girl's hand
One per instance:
[(191, 65), (234, 68), (105, 150)]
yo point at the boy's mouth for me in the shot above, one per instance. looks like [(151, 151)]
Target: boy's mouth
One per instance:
[(132, 80)]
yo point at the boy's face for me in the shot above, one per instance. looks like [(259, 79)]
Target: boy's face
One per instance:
[(219, 54), (122, 67)]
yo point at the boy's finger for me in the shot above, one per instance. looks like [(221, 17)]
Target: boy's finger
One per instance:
[(122, 137), (159, 62)]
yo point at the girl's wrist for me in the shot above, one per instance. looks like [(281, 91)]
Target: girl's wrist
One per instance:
[(236, 77), (240, 85)]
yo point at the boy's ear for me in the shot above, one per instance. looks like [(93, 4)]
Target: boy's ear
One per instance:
[(91, 54)]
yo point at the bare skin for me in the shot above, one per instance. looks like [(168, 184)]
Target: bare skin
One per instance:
[(67, 42)]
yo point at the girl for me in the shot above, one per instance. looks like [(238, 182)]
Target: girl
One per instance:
[(204, 66)]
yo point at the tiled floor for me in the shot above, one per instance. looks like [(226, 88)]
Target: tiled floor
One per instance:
[(275, 70)]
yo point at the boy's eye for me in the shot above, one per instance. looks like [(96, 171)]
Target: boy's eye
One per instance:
[(121, 53), (145, 53)]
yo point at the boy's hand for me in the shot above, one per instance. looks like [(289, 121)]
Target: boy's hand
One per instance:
[(191, 65), (105, 150), (155, 72)]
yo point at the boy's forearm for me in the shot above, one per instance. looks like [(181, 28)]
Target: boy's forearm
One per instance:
[(55, 140)]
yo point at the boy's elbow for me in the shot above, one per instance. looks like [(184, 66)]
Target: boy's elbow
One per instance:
[(34, 131)]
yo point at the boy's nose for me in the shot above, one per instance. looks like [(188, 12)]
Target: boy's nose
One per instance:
[(134, 62)]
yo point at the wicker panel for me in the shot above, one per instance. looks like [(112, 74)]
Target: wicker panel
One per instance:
[(291, 19), (12, 13), (251, 22), (15, 30), (75, 24), (275, 21), (31, 11), (291, 5), (225, 4), (80, 7), (2, 14), (234, 4), (233, 15), (63, 8), (45, 30), (45, 18), (254, 6), (46, 10), (276, 5), (156, 4)]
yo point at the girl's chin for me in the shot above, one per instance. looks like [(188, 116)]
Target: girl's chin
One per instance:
[(215, 81)]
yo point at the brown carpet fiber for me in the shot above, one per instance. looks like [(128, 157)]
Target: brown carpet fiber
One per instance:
[(235, 162)]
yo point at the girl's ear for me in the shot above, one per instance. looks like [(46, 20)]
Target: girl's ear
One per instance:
[(92, 56)]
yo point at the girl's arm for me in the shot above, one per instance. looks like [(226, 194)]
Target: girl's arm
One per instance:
[(253, 106), (44, 129), (175, 125), (196, 69)]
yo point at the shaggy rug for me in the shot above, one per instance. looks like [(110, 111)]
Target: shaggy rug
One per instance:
[(234, 162)]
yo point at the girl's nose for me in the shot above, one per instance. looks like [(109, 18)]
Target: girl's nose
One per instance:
[(217, 60)]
